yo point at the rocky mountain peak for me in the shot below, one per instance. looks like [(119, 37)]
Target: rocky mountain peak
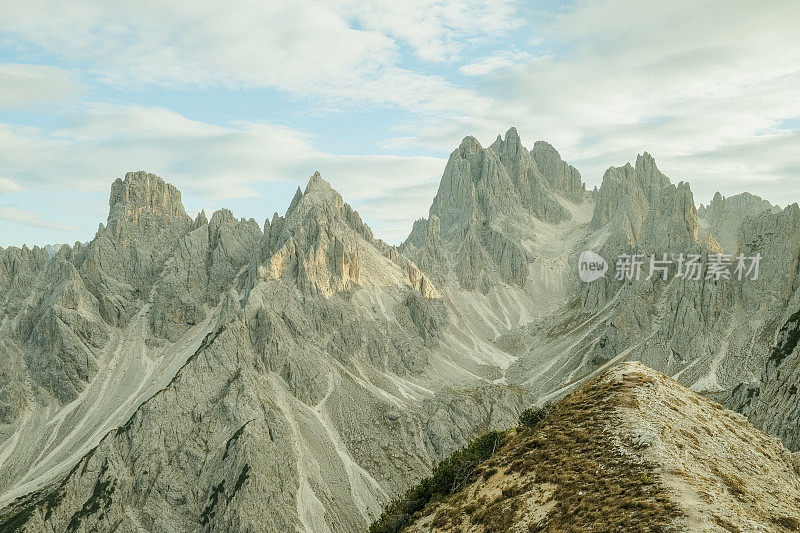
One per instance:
[(480, 184), (645, 206), (725, 216), (146, 221), (469, 145), (562, 177), (325, 246), (200, 220), (143, 192), (486, 198), (320, 191), (316, 180), (222, 216), (319, 240), (144, 208), (319, 199), (647, 173), (511, 145)]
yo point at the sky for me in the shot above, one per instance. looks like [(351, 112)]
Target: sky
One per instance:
[(238, 103)]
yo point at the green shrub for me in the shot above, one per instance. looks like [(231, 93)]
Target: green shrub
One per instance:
[(531, 416), (449, 476)]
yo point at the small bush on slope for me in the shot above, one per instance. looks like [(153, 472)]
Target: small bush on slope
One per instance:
[(531, 416)]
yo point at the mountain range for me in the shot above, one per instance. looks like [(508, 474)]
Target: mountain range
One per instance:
[(179, 374)]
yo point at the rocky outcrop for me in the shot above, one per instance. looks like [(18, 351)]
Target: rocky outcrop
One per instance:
[(536, 192), (209, 260), (64, 319), (74, 324), (693, 329), (145, 221), (562, 177), (641, 202), (723, 218), (19, 270), (472, 234), (289, 342), (63, 332), (325, 247), (773, 403), (420, 282)]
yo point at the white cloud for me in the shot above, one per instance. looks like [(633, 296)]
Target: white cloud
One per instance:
[(108, 140), (706, 86), (26, 86), (502, 60), (212, 164), (28, 218), (436, 30), (7, 186), (304, 48)]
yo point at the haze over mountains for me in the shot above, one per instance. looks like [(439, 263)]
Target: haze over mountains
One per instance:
[(183, 375)]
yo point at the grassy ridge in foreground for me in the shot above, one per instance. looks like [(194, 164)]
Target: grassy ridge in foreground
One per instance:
[(449, 476)]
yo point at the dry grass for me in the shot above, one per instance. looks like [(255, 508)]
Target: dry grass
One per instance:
[(598, 488), (568, 468), (629, 451)]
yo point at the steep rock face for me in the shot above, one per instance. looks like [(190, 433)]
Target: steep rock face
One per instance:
[(773, 403), (50, 325), (776, 236), (52, 249), (314, 243), (20, 268), (561, 176), (204, 265), (630, 450), (84, 291), (472, 237), (638, 211), (640, 200), (536, 191), (145, 221), (63, 332), (323, 245), (723, 217), (96, 329), (693, 329), (292, 340)]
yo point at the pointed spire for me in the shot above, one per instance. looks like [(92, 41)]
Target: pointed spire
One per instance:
[(316, 182), (298, 195), (200, 220), (512, 135)]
